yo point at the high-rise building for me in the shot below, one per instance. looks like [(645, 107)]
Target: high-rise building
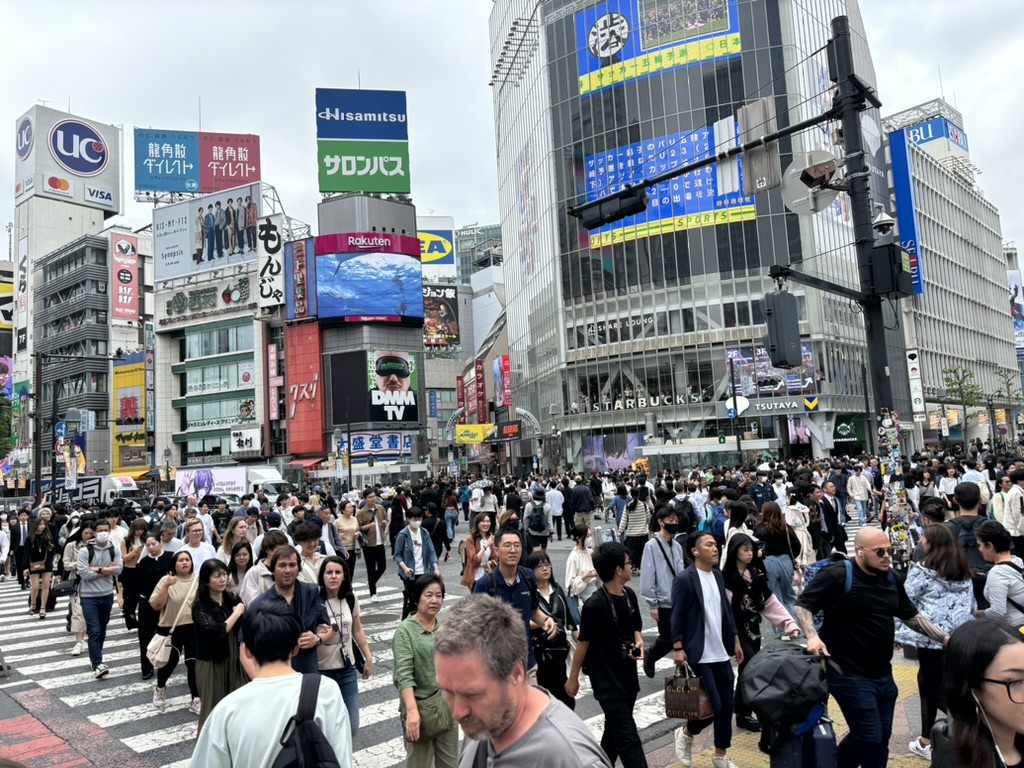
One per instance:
[(623, 336), (472, 244), (952, 233)]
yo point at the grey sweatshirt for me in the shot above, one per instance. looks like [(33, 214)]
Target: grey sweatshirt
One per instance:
[(1002, 585), (93, 584)]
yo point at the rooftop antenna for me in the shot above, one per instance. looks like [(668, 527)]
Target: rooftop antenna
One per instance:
[(200, 114), (359, 80)]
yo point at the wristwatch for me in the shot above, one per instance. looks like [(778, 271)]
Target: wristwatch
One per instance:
[(319, 642)]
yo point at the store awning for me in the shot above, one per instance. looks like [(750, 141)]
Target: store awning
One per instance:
[(142, 474), (306, 463)]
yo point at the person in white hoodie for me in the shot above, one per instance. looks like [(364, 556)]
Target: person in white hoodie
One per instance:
[(798, 516), (1013, 518)]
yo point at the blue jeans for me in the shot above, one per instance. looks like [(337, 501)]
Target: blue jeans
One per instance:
[(868, 704), (347, 680), (96, 611), (779, 570), (451, 519), (862, 509)]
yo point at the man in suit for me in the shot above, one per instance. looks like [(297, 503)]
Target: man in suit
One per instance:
[(839, 477), (210, 230), (330, 538), (705, 639), (220, 228), (19, 544), (833, 534)]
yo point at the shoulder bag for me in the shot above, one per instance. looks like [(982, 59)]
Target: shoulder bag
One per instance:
[(686, 697), (159, 649)]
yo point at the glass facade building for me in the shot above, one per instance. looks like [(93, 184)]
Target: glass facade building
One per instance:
[(623, 336)]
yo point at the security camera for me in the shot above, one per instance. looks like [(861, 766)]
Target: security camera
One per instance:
[(883, 223)]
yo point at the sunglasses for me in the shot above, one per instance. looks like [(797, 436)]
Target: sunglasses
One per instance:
[(882, 551), (392, 366)]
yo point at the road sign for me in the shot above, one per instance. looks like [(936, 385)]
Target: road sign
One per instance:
[(1002, 430), (920, 417), (60, 429), (731, 413)]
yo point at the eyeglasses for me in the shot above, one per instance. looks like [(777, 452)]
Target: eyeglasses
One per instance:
[(512, 545), (1014, 688)]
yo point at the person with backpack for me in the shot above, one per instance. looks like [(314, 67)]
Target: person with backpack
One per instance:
[(964, 526), (781, 549), (98, 564), (232, 738), (538, 523), (1004, 584), (662, 562), (860, 599)]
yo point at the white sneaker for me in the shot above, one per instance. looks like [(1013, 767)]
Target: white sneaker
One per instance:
[(722, 761), (920, 749), (196, 707), (77, 650), (158, 698), (684, 748)]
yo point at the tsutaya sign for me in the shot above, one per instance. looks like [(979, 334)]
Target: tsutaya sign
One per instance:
[(762, 407)]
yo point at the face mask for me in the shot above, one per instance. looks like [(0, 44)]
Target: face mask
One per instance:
[(672, 527), (414, 525), (589, 543), (102, 537)]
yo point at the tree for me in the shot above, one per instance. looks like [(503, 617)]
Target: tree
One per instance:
[(961, 388), (1009, 389)]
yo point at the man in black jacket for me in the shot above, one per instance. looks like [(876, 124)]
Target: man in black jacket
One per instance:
[(581, 502), (833, 534), (19, 546)]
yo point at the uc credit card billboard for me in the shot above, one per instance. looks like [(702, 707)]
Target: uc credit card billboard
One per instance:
[(188, 161), (362, 140)]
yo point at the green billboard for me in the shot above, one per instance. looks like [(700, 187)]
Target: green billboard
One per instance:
[(349, 165)]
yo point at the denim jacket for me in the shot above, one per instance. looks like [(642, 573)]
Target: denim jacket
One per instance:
[(946, 604), (405, 552)]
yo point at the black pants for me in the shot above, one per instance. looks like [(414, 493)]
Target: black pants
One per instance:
[(130, 592), (536, 542), (147, 629), (1018, 548), (465, 510), (407, 604), (184, 642), (621, 739), (662, 646), (750, 647), (376, 564), (21, 564), (718, 680), (551, 677), (558, 526), (929, 684)]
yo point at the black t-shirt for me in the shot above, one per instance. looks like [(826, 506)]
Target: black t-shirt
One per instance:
[(859, 629), (610, 674)]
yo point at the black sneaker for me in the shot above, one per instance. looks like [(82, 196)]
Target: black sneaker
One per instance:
[(649, 666), (147, 675), (748, 724)]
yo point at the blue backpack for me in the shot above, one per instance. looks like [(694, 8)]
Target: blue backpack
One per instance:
[(814, 568)]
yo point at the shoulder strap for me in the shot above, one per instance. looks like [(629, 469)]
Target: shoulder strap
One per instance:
[(848, 585), (307, 696), (92, 551), (668, 560), (527, 575), (492, 584), (480, 758), (351, 600)]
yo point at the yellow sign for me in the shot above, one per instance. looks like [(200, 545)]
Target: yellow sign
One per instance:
[(436, 246), (810, 403), (470, 434), (677, 224), (128, 404)]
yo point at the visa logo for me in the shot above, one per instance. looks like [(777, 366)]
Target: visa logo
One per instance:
[(99, 195)]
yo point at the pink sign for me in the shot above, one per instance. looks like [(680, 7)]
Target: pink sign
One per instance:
[(124, 276), (372, 242), (228, 160)]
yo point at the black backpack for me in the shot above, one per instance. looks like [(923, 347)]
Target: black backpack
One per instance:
[(965, 529), (538, 520), (784, 686), (303, 744)]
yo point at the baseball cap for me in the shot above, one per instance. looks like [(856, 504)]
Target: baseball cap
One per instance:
[(273, 519)]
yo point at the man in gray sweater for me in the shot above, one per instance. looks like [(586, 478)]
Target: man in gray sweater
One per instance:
[(663, 559), (98, 564)]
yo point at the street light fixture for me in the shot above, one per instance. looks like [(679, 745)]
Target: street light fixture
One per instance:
[(167, 464), (338, 435)]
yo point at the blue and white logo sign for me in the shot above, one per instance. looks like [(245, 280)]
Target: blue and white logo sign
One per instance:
[(26, 138), (78, 148), (357, 114)]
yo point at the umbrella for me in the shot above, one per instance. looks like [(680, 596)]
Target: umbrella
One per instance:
[(485, 483)]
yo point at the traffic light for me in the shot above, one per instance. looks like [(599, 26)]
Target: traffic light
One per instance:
[(783, 339), (369, 461), (721, 439), (626, 202)]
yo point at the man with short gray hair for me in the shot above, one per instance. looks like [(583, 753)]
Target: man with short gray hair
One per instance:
[(480, 654)]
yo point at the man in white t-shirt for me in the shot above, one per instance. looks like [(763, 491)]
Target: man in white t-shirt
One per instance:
[(231, 737), (200, 550), (415, 555), (704, 636)]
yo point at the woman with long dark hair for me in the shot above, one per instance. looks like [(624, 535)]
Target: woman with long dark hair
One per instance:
[(133, 547), (751, 599), (984, 689), (481, 554), (173, 597), (942, 590), (635, 524), (781, 549), (40, 565), (215, 616), (552, 653), (150, 570), (336, 656), (239, 564)]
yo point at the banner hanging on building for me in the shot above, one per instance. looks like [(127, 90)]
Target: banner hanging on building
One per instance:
[(191, 162), (124, 276), (304, 405), (270, 257)]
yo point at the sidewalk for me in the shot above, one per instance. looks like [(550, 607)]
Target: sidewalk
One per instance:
[(661, 752)]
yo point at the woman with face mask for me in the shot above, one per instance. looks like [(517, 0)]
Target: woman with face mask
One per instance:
[(984, 687)]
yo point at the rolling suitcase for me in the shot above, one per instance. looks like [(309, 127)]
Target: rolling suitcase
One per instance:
[(814, 749), (942, 748)]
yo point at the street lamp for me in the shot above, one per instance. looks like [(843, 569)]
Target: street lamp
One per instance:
[(167, 465), (991, 424), (338, 435)]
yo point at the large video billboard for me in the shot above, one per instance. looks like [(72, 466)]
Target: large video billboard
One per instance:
[(755, 374), (362, 140), (205, 233), (441, 316), (189, 161), (1017, 310), (368, 277), (67, 158), (379, 385), (686, 202), (622, 40), (304, 400)]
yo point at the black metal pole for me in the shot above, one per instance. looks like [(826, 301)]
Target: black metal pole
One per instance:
[(869, 427), (37, 427), (736, 419), (850, 102), (348, 445)]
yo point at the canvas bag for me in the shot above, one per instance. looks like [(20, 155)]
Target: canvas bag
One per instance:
[(159, 649)]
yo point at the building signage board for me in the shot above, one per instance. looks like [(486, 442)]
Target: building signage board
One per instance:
[(906, 204), (437, 246), (270, 259), (246, 442), (124, 277), (194, 162), (304, 396), (481, 391), (300, 279)]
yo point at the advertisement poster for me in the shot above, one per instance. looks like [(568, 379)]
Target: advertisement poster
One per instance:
[(755, 374), (21, 420), (124, 276), (190, 162), (204, 233), (393, 382), (369, 287), (612, 452), (1017, 310), (217, 481), (441, 316)]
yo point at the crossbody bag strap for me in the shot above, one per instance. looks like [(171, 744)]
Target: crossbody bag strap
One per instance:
[(668, 562), (184, 603), (1009, 599)]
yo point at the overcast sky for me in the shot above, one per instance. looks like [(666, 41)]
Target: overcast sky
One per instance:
[(255, 66)]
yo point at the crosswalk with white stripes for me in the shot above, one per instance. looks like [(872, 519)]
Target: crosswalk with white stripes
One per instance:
[(38, 652)]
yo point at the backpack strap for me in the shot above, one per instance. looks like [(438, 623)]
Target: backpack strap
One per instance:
[(668, 562), (492, 583), (848, 585), (1009, 599), (307, 696)]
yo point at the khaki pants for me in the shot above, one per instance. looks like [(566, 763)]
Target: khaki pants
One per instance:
[(442, 752), (585, 518)]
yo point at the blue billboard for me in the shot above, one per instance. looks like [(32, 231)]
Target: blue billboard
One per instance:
[(166, 161), (688, 201), (343, 113), (618, 41), (906, 205), (938, 128)]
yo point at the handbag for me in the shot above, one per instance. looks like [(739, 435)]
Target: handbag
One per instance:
[(435, 716), (159, 649), (798, 572), (64, 587), (39, 566), (686, 697)]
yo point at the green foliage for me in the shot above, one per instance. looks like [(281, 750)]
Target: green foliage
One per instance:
[(961, 387)]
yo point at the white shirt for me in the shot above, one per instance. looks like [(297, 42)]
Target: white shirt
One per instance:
[(417, 551), (714, 647), (200, 554), (555, 498), (325, 537), (207, 521)]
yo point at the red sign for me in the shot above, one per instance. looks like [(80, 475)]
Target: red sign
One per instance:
[(471, 398), (124, 276), (304, 401), (372, 242), (460, 397), (300, 276), (506, 379), (481, 393), (228, 160)]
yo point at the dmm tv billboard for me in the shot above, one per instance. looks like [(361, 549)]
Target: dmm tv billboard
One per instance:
[(378, 385), (189, 161)]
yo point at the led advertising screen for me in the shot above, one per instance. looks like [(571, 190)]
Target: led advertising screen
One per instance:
[(686, 202), (1017, 309), (349, 401), (612, 452), (204, 233), (441, 316), (366, 278), (618, 41), (190, 162), (755, 374), (393, 381)]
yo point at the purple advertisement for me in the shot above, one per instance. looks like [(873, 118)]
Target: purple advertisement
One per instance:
[(612, 452)]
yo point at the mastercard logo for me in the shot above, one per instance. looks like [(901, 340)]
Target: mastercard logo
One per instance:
[(58, 184)]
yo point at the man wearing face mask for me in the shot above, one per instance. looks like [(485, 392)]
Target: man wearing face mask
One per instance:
[(662, 560), (97, 567), (415, 555)]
